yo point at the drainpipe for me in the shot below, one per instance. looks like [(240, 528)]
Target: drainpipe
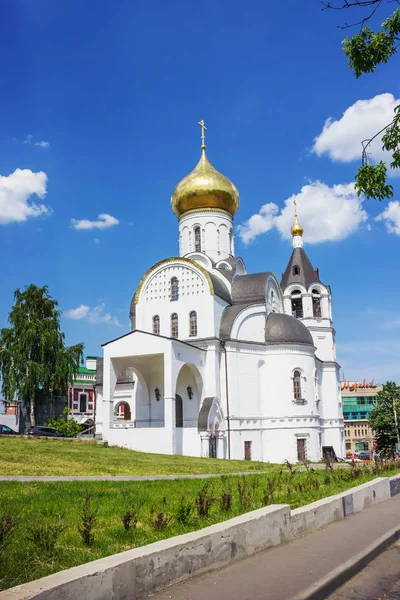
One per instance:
[(222, 342)]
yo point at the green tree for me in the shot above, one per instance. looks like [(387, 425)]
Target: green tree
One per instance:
[(365, 51), (382, 418), (35, 364)]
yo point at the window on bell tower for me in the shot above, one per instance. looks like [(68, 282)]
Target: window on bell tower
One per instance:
[(297, 304), (316, 302), (174, 288), (296, 270), (197, 239)]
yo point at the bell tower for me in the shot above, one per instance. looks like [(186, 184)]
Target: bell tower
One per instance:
[(306, 297)]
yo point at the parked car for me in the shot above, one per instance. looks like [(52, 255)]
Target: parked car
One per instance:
[(5, 430), (363, 454), (40, 430)]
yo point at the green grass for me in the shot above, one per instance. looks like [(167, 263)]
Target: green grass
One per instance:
[(38, 503), (47, 456)]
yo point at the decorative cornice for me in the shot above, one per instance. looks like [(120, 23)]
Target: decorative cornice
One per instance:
[(171, 260), (205, 210)]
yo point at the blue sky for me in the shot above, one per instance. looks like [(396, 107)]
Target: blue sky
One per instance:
[(100, 104)]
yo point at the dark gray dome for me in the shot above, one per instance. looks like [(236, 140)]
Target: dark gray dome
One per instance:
[(284, 329)]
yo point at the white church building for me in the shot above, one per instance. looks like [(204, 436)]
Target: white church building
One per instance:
[(219, 362)]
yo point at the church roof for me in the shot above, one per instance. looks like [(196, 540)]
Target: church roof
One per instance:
[(220, 288), (250, 289), (228, 317), (306, 272), (284, 329)]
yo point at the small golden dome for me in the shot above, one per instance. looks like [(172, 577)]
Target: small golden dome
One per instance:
[(296, 228), (204, 187)]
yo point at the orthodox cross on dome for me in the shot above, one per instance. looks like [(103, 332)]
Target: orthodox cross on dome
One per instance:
[(296, 229), (203, 137)]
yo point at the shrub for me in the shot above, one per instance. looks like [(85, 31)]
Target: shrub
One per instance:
[(159, 519), (44, 534), (184, 511), (88, 518), (204, 501), (130, 517), (8, 523), (245, 493), (68, 427)]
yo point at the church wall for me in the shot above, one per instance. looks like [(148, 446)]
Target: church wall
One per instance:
[(216, 233), (323, 339), (282, 361), (331, 409), (251, 327), (280, 443), (194, 295), (153, 439), (238, 439)]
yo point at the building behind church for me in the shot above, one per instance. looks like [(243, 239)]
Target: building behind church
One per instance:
[(220, 362)]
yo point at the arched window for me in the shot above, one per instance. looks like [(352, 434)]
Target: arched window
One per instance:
[(123, 411), (156, 325), (174, 325), (231, 242), (197, 239), (297, 385), (272, 301), (296, 270), (316, 385), (193, 322), (174, 288), (316, 303), (297, 304)]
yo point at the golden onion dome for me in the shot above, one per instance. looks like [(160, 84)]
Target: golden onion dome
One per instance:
[(296, 228), (203, 188)]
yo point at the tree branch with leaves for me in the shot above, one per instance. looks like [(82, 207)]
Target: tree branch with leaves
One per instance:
[(365, 51), (35, 364)]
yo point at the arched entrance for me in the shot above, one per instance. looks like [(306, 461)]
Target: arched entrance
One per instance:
[(188, 393)]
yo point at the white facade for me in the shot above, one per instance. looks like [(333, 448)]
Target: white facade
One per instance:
[(216, 365)]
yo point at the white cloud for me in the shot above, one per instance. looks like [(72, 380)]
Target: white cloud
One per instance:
[(42, 144), (391, 216), (94, 315), (77, 313), (341, 139), (29, 142), (15, 192), (97, 315), (326, 213), (103, 222)]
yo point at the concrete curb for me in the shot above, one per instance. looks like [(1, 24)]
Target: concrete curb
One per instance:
[(339, 576)]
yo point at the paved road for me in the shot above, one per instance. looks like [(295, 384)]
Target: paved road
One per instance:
[(283, 572), (380, 580)]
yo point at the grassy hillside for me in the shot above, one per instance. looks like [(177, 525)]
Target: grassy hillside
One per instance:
[(47, 456), (158, 510)]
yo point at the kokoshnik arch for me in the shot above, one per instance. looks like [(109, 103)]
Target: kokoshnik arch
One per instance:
[(220, 362)]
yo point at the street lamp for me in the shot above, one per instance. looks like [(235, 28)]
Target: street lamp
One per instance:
[(397, 427)]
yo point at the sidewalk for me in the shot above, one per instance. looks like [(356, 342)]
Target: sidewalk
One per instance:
[(283, 572)]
